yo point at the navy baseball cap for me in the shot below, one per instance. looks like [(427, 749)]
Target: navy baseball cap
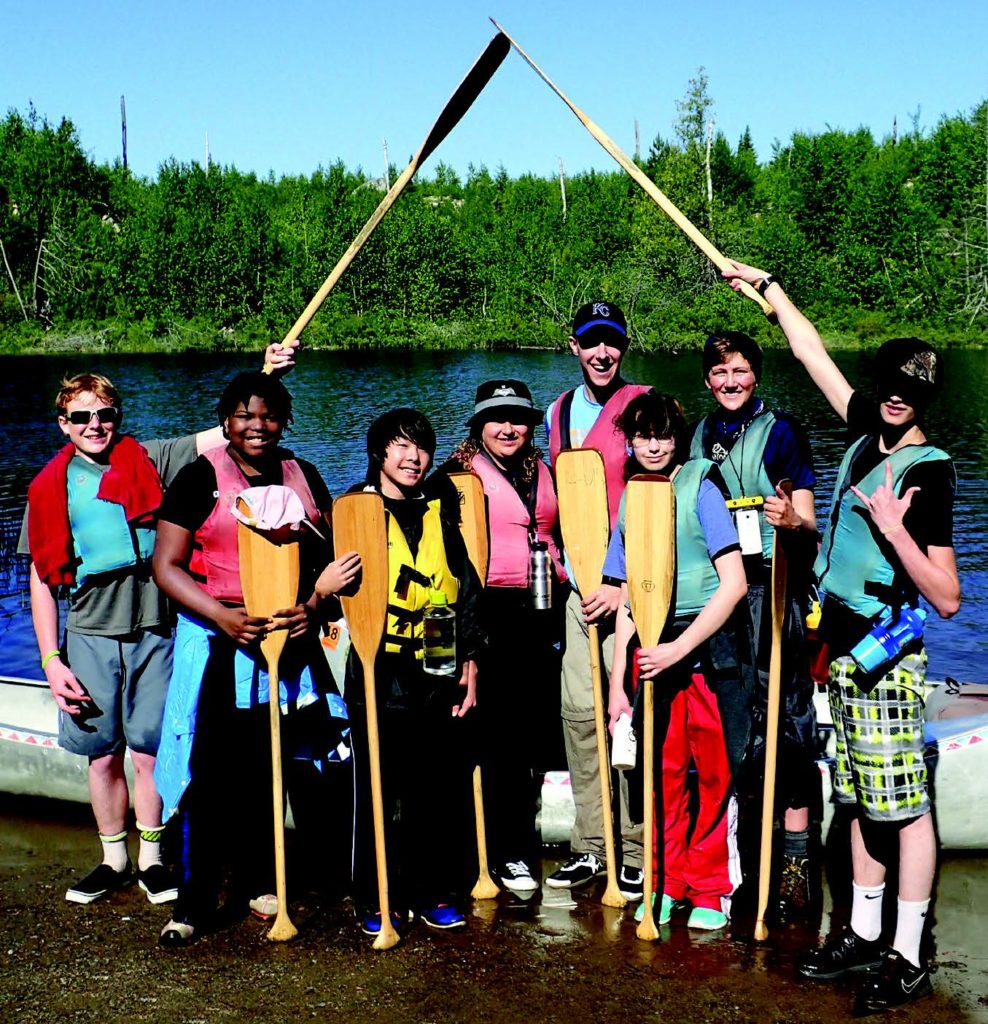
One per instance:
[(598, 322)]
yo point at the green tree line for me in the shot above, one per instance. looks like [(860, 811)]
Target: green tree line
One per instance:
[(869, 236)]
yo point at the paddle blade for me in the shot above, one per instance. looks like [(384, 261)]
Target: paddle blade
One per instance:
[(473, 520), (650, 551), (583, 517), (359, 524), (269, 578), (466, 92)]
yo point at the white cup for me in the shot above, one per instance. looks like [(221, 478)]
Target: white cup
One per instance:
[(624, 748)]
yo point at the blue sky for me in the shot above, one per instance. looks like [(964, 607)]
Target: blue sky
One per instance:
[(291, 85)]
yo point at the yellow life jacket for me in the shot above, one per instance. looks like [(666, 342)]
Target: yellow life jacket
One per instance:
[(410, 581)]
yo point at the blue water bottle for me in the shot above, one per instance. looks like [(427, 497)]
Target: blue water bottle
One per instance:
[(888, 638)]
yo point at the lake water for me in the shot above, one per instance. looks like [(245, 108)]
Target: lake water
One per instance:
[(338, 394)]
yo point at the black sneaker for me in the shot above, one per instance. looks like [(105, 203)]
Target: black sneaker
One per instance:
[(578, 870), (631, 883), (98, 883), (158, 883), (516, 876), (841, 955), (897, 982)]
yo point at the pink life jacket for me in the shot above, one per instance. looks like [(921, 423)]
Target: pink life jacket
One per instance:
[(215, 561), (604, 436), (509, 518)]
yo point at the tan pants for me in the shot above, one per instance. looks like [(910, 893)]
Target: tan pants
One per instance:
[(581, 744)]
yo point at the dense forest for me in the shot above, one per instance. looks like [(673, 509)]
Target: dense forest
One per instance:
[(870, 237)]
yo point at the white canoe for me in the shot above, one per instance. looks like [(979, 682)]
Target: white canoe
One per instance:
[(31, 762)]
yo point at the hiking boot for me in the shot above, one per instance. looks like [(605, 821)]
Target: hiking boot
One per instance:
[(101, 881), (445, 917), (895, 983), (841, 955), (631, 883), (516, 876), (794, 886), (707, 919), (158, 884), (578, 870)]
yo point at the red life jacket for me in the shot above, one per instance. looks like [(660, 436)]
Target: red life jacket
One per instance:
[(509, 519), (604, 436), (215, 561)]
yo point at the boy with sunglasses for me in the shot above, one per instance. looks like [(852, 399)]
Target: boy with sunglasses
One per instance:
[(585, 418), (89, 531)]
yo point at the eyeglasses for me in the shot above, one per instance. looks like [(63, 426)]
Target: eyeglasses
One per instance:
[(641, 440), (83, 417)]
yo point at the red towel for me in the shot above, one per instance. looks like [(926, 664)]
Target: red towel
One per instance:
[(131, 481)]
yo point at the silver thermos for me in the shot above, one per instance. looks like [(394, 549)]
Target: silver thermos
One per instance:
[(540, 575)]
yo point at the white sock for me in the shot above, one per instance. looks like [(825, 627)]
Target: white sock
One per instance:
[(866, 910), (150, 850), (909, 929), (115, 850)]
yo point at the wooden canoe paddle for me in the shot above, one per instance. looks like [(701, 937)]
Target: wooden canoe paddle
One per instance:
[(645, 182), (359, 524), (585, 524), (458, 104), (269, 577), (780, 571), (650, 553), (473, 526)]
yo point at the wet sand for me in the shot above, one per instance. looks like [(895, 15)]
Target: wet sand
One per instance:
[(554, 958)]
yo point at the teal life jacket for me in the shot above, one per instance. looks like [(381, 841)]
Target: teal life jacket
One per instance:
[(851, 566), (696, 577), (744, 468), (102, 537)]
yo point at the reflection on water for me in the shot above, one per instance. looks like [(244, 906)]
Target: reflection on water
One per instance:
[(337, 395)]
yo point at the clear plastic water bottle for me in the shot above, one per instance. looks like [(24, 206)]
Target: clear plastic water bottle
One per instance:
[(888, 638), (439, 621), (540, 575)]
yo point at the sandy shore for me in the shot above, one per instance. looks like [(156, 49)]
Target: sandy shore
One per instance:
[(554, 958)]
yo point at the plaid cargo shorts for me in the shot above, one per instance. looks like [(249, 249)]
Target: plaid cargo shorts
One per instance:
[(881, 740)]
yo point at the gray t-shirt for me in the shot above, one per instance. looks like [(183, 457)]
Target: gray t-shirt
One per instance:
[(122, 602)]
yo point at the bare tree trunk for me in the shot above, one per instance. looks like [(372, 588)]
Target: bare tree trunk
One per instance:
[(13, 283), (387, 168), (710, 180), (123, 130), (638, 143), (562, 187)]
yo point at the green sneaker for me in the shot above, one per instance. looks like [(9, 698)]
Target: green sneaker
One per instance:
[(666, 908), (706, 919)]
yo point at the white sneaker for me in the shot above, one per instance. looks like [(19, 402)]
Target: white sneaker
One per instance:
[(515, 875)]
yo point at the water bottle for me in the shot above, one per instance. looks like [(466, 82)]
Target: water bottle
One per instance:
[(540, 575), (888, 638), (439, 621)]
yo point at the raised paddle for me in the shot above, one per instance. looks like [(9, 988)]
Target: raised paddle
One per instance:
[(269, 575), (458, 104), (359, 524), (585, 523), (646, 183), (473, 526), (650, 557), (780, 569)]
